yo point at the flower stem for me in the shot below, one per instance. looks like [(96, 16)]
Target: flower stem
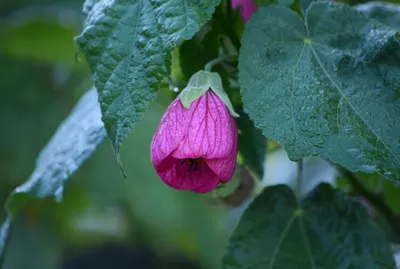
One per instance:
[(220, 59), (299, 177)]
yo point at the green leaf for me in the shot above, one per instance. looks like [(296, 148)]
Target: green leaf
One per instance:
[(327, 229), (386, 13), (128, 45), (252, 144), (74, 142), (195, 53), (325, 86)]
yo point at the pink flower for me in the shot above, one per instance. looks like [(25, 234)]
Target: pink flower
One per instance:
[(195, 149), (247, 8)]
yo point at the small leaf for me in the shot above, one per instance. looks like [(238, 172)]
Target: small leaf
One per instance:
[(325, 86), (128, 45), (325, 230), (199, 84), (386, 13)]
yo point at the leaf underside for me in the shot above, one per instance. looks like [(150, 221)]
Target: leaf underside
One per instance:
[(328, 86), (74, 141)]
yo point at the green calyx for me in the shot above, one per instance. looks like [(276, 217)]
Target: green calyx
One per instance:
[(199, 84)]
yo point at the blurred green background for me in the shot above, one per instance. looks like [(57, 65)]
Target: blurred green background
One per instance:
[(105, 221)]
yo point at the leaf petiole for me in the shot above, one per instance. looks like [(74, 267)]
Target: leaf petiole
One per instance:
[(220, 59)]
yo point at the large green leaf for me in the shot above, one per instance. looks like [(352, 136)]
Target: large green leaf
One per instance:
[(327, 229), (128, 45), (328, 86), (74, 142), (386, 13)]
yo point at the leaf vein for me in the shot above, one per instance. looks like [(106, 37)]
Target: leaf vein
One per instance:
[(349, 103)]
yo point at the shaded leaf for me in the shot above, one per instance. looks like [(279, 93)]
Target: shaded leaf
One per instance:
[(327, 229), (325, 86), (195, 53), (128, 45), (252, 144)]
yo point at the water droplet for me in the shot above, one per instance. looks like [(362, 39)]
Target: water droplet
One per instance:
[(162, 19), (173, 88), (79, 56), (368, 168)]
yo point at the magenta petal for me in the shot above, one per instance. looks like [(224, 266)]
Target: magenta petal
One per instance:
[(225, 167), (247, 8), (183, 177), (169, 133), (236, 3), (209, 134)]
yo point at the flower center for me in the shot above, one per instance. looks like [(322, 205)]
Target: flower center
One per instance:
[(192, 163)]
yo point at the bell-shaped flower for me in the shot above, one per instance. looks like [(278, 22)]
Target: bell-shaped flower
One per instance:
[(195, 145)]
